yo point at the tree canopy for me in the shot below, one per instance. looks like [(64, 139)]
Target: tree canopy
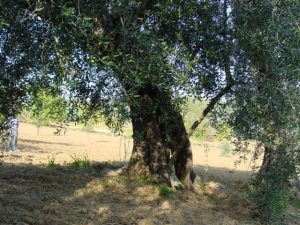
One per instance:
[(140, 61)]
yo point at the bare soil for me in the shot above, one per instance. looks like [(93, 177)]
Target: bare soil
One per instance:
[(33, 193)]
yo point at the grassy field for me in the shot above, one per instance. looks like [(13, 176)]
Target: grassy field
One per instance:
[(72, 179)]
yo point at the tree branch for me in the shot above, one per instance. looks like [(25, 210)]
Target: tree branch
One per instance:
[(204, 113)]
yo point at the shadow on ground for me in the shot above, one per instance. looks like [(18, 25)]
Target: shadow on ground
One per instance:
[(38, 195), (223, 175), (35, 142), (61, 195)]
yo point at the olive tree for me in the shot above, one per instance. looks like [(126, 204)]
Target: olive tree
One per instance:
[(134, 60), (265, 109)]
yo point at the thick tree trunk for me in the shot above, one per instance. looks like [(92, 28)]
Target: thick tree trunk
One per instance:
[(161, 142), (157, 130), (150, 155)]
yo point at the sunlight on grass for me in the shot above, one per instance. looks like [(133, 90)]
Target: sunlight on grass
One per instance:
[(80, 162), (51, 163)]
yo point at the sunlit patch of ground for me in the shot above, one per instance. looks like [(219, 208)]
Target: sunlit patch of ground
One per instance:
[(99, 147)]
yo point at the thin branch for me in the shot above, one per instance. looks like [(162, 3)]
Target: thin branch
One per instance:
[(31, 14), (204, 113)]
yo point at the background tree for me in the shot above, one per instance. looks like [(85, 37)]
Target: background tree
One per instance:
[(266, 108), (20, 58), (46, 108)]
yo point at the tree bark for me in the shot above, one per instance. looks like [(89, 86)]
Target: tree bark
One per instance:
[(157, 130), (183, 164), (268, 160), (161, 141), (150, 155), (182, 150), (184, 161)]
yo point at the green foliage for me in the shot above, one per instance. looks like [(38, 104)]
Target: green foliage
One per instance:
[(271, 197), (266, 107), (90, 121), (46, 108), (3, 130), (295, 203), (179, 187), (51, 163), (165, 191), (271, 186), (192, 112), (226, 148), (200, 135), (80, 162), (223, 132), (131, 65), (143, 180), (76, 164), (271, 205), (85, 162)]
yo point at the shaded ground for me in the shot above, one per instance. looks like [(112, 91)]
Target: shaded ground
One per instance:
[(37, 195), (31, 193)]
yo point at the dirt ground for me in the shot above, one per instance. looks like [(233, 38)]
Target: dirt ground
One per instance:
[(99, 147), (33, 193)]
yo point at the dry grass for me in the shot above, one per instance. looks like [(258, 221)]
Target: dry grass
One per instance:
[(33, 193), (37, 195)]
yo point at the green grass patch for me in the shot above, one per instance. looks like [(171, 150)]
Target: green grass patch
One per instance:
[(51, 163), (295, 203), (85, 162), (80, 162), (179, 187), (165, 191), (142, 181)]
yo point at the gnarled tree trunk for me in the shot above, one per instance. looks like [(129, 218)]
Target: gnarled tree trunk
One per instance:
[(183, 164), (184, 160), (157, 129), (150, 155), (161, 141)]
